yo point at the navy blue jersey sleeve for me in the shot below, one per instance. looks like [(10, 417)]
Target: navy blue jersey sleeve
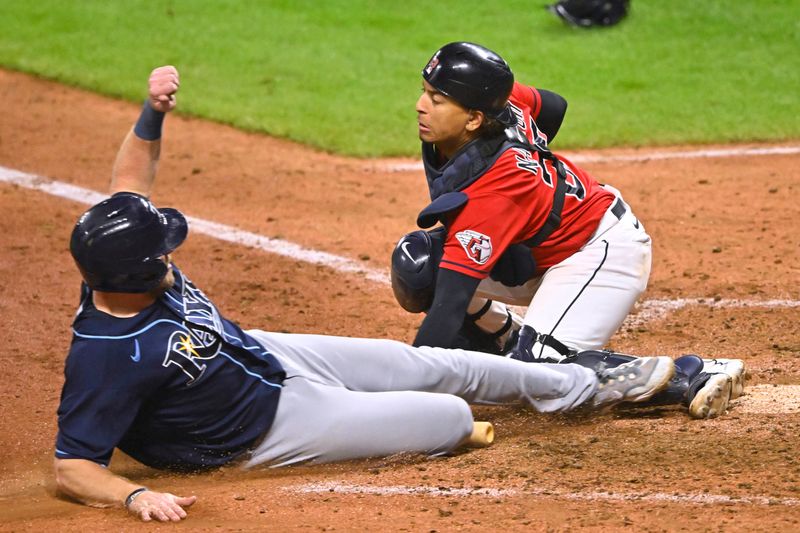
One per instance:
[(454, 291), (554, 108), (106, 384)]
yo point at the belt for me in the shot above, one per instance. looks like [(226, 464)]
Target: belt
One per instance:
[(618, 208)]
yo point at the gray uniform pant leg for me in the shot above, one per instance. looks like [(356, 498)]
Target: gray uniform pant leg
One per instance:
[(347, 398)]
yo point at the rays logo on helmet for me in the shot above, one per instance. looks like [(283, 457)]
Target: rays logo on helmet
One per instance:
[(477, 245)]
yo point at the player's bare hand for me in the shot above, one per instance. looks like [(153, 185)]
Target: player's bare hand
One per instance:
[(163, 85), (163, 506)]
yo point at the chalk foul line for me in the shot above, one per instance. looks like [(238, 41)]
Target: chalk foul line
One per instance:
[(216, 230), (656, 309), (660, 497), (647, 310)]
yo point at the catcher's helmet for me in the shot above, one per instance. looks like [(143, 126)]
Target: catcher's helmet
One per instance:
[(415, 263), (473, 76), (118, 243)]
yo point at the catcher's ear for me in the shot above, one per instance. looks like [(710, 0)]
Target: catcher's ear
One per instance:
[(475, 121)]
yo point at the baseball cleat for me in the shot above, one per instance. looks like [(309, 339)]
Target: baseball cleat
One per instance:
[(636, 381), (733, 368), (710, 394)]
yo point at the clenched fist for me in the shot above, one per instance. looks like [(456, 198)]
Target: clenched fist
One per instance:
[(163, 85)]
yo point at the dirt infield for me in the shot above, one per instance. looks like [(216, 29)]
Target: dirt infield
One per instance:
[(725, 229)]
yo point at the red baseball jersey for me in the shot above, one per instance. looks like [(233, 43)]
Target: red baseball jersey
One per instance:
[(510, 202)]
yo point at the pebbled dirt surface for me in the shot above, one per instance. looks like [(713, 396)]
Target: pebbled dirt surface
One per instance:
[(723, 229)]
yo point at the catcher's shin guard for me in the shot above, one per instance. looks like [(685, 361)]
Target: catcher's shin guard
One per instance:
[(687, 368)]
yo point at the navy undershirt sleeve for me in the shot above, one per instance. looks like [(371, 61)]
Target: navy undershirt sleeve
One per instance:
[(554, 107), (454, 291)]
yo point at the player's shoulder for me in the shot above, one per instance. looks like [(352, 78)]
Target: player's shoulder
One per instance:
[(525, 96), (95, 333), (502, 184)]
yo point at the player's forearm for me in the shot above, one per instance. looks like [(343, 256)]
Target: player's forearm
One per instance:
[(91, 484), (439, 329), (136, 165), (137, 160), (454, 291)]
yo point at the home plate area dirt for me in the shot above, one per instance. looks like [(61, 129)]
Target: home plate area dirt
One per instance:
[(724, 284)]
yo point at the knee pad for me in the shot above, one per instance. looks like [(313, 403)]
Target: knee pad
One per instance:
[(415, 264)]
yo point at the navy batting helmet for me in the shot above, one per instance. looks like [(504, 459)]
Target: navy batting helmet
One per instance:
[(415, 263), (473, 76), (119, 243)]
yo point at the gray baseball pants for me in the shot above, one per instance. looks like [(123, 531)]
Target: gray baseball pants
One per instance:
[(349, 398)]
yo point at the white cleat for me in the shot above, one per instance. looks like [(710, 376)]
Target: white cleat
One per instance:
[(636, 381), (712, 392), (734, 368)]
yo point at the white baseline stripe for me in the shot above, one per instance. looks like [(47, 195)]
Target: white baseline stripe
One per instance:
[(647, 310), (212, 229), (652, 156), (656, 309), (660, 497)]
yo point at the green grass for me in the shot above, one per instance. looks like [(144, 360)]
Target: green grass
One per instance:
[(343, 75)]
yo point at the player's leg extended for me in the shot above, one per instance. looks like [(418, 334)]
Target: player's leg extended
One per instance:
[(385, 365), (583, 300), (321, 423)]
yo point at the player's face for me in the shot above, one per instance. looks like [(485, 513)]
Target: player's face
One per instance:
[(442, 121)]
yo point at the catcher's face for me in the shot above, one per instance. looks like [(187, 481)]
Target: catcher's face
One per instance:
[(443, 121)]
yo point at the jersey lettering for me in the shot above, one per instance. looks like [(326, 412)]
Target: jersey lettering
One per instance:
[(574, 186), (198, 308), (181, 352), (520, 117), (525, 160), (187, 350), (547, 175), (538, 138)]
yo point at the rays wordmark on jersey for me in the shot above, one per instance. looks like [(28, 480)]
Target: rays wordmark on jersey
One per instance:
[(202, 338)]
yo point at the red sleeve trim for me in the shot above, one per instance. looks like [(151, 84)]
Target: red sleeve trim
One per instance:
[(537, 103), (458, 267)]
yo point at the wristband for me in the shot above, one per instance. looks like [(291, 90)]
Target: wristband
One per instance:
[(133, 495), (148, 127)]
